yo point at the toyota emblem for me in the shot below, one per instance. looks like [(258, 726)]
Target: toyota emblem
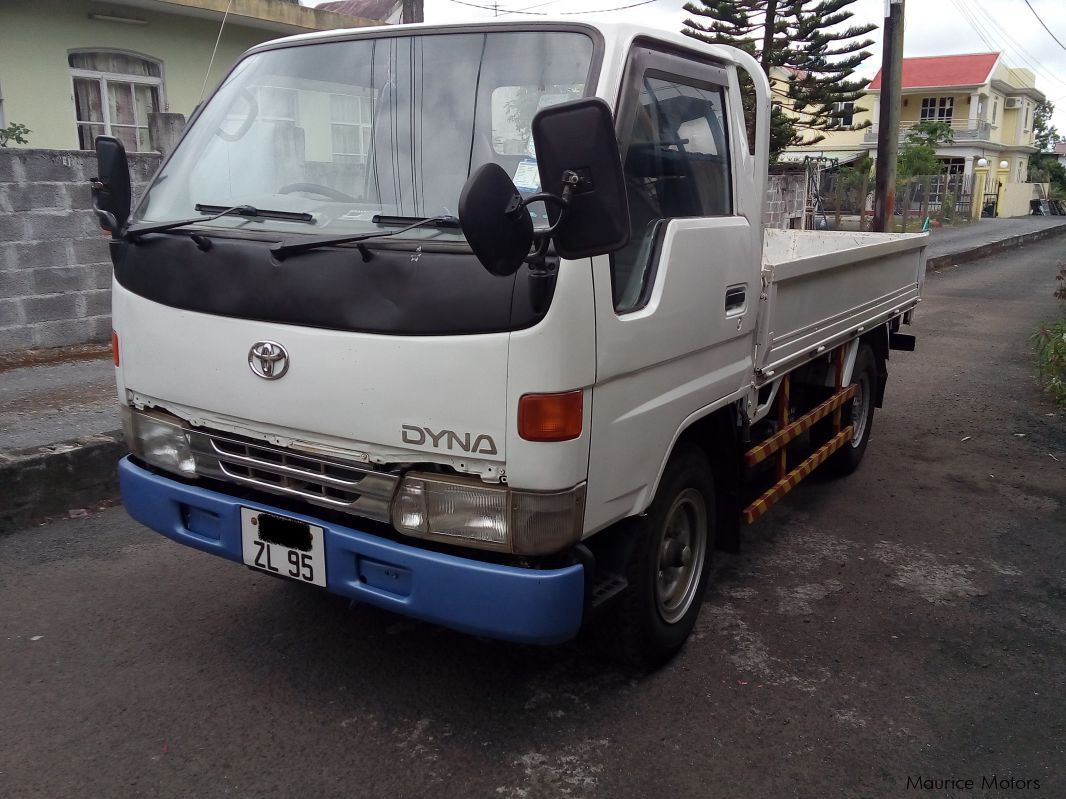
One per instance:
[(268, 359)]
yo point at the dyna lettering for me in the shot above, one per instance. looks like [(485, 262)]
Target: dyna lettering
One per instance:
[(448, 439)]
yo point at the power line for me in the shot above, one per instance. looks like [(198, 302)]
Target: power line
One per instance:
[(1019, 51), (211, 63), (527, 8), (549, 14), (995, 38), (1052, 35)]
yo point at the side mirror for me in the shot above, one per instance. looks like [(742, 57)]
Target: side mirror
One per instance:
[(583, 189), (111, 191), (495, 220), (577, 156)]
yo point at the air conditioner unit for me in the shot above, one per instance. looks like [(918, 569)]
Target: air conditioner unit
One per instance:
[(1013, 102)]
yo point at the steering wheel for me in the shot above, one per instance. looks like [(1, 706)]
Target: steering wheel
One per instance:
[(319, 189), (253, 112)]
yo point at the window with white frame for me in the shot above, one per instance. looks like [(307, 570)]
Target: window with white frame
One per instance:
[(113, 95), (351, 122), (278, 104), (843, 114), (937, 109)]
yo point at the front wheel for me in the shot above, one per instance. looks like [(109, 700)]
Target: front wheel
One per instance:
[(859, 413), (667, 572)]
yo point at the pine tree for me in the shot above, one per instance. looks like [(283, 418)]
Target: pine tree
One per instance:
[(807, 41)]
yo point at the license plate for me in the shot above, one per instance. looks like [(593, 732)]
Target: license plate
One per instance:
[(282, 546)]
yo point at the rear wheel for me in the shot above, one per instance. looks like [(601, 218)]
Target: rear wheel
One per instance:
[(667, 572), (859, 413)]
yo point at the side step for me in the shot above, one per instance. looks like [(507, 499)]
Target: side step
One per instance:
[(607, 588)]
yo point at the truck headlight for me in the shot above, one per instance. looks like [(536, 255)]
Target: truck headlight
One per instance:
[(489, 517), (158, 441)]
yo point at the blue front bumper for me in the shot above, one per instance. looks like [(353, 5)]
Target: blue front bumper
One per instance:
[(526, 605)]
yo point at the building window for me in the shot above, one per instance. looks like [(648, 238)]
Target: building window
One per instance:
[(937, 109), (278, 104), (1026, 117), (954, 166), (995, 110), (351, 122), (843, 115), (113, 95)]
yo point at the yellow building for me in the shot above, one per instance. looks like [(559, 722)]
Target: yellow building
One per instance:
[(71, 70), (989, 106)]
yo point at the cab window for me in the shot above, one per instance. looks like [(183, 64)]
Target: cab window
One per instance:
[(676, 162)]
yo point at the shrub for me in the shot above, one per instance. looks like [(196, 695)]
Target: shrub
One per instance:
[(15, 132)]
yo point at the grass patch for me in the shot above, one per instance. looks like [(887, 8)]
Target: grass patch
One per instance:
[(1050, 344)]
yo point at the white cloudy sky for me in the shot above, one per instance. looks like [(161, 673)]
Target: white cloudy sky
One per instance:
[(933, 27)]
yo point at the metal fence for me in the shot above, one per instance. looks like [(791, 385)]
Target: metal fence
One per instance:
[(845, 195)]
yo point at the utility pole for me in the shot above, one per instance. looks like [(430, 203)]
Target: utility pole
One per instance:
[(412, 11), (888, 119)]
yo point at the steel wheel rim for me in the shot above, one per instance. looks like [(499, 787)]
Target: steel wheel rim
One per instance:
[(682, 548), (858, 410)]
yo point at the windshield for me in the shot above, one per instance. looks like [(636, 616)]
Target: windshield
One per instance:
[(349, 130)]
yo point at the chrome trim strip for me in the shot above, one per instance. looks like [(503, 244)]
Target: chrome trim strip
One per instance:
[(285, 469), (368, 493)]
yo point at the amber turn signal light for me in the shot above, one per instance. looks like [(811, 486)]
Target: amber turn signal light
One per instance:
[(550, 417), (114, 347)]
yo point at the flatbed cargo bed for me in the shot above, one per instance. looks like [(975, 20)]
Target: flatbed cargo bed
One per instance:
[(821, 288)]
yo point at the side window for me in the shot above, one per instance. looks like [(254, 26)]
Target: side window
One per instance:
[(676, 162)]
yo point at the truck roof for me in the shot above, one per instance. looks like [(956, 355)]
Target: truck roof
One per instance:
[(614, 34)]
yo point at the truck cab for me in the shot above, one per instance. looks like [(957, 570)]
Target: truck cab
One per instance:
[(475, 323)]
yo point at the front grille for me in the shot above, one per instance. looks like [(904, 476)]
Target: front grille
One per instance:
[(329, 482)]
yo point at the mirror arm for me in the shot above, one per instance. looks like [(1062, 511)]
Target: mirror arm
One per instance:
[(106, 218)]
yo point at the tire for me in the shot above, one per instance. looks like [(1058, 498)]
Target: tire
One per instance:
[(847, 459), (655, 615)]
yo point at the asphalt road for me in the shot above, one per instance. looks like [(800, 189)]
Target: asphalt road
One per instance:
[(908, 622)]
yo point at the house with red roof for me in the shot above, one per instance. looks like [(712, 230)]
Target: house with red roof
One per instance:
[(989, 105)]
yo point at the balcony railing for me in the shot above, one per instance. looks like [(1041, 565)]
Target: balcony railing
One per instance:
[(963, 130)]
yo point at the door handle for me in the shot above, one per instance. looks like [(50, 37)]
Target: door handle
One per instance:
[(736, 299)]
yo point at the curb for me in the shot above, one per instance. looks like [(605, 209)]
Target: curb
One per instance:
[(993, 247), (39, 482)]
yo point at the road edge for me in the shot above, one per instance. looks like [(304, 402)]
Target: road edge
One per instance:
[(994, 247), (43, 481)]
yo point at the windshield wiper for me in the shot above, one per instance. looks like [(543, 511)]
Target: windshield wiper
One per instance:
[(216, 212), (287, 248)]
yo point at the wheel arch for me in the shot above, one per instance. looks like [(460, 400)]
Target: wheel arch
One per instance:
[(718, 434), (877, 340)]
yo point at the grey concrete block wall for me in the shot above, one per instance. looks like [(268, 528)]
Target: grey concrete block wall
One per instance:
[(55, 273), (786, 197)]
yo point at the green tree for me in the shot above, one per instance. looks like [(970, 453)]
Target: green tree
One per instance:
[(811, 40), (1044, 166), (917, 155), (1044, 133)]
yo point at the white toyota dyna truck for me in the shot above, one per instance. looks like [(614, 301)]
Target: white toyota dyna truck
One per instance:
[(480, 324)]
